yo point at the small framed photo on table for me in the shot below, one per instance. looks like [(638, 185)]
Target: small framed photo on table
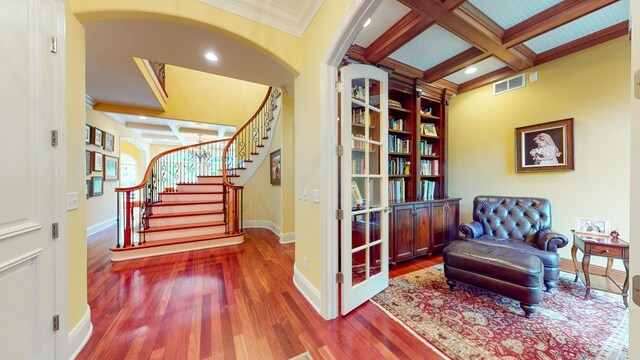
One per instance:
[(593, 226)]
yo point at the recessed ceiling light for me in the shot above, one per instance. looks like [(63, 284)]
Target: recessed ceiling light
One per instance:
[(143, 117), (366, 23), (211, 56), (470, 70)]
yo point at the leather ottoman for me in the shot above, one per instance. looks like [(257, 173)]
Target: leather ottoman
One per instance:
[(504, 271)]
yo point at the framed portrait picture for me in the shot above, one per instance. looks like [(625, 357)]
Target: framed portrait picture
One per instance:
[(89, 189), (276, 169), (87, 134), (429, 129), (109, 140), (545, 147), (593, 226), (87, 162), (97, 185), (96, 161), (96, 136), (110, 167)]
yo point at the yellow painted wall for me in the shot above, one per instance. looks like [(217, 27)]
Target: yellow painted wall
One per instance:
[(307, 142), (203, 97), (126, 146), (76, 220), (288, 164), (103, 208), (590, 86), (281, 46)]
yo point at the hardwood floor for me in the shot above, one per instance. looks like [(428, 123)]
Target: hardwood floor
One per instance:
[(233, 303)]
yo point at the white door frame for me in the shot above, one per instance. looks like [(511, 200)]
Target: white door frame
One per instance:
[(59, 101), (357, 13)]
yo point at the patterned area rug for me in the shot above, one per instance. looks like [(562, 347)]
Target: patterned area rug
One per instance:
[(470, 323)]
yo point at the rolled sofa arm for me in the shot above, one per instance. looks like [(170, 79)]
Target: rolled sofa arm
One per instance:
[(550, 241), (471, 230)]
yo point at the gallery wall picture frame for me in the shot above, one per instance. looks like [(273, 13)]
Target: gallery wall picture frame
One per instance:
[(89, 189), (276, 168), (97, 185), (109, 140), (87, 134), (593, 226), (545, 147), (96, 161), (87, 162), (97, 137), (111, 168)]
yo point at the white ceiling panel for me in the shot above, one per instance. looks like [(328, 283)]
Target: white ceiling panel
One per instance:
[(430, 48), (598, 20), (385, 16), (508, 13), (484, 67)]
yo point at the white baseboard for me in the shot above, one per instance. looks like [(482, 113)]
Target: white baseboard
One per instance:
[(307, 289), (79, 336), (287, 238), (262, 224), (100, 226)]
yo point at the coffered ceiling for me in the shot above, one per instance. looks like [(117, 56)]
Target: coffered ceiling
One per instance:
[(437, 40)]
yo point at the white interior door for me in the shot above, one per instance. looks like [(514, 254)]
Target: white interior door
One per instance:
[(26, 111), (364, 232)]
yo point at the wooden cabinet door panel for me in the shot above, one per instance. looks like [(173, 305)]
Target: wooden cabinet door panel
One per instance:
[(422, 228), (403, 231), (453, 220), (440, 225)]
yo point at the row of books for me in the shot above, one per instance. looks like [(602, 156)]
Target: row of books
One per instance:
[(358, 117), (360, 145), (396, 190), (429, 167), (427, 190), (396, 124), (357, 166), (397, 144), (426, 148), (399, 166)]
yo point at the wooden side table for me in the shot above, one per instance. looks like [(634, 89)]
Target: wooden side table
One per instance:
[(601, 246)]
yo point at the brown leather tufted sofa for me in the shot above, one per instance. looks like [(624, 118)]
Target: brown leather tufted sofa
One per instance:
[(519, 223)]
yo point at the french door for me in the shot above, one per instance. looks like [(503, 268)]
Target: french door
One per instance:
[(364, 201)]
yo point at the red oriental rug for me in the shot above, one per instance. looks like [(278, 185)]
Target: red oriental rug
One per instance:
[(470, 323)]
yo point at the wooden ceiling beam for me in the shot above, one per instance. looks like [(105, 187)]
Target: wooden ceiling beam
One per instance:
[(550, 19), (481, 22), (486, 79), (458, 62), (407, 28), (604, 35)]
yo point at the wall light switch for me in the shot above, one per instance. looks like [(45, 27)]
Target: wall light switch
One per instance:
[(299, 193), (72, 201), (304, 194), (533, 76), (315, 195)]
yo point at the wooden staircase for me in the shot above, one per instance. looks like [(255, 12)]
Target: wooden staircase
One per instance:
[(199, 206)]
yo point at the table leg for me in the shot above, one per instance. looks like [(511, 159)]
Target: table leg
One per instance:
[(585, 270), (625, 288), (609, 265), (574, 251)]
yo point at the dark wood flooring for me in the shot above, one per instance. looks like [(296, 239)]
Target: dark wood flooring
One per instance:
[(233, 303)]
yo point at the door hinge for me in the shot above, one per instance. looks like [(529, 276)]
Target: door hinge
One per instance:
[(339, 86), (54, 137), (55, 231), (339, 278), (56, 322), (340, 150), (54, 45), (339, 214)]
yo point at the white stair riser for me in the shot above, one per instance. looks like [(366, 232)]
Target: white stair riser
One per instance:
[(200, 188), (181, 220), (190, 197), (174, 234), (179, 209), (210, 180)]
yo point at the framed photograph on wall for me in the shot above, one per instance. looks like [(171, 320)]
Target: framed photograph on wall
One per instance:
[(87, 162), (96, 137), (89, 189), (97, 185), (545, 147), (96, 161), (110, 167), (87, 134), (593, 226), (109, 140), (276, 169)]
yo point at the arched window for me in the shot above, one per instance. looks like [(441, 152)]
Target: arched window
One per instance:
[(128, 170)]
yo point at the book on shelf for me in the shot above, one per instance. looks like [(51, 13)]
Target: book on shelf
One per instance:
[(396, 124), (397, 190), (399, 166), (429, 167), (357, 166), (359, 143), (426, 148), (358, 117), (427, 190), (397, 144), (395, 104), (428, 129), (356, 196)]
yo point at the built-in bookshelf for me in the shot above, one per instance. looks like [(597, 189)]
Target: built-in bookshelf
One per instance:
[(401, 145)]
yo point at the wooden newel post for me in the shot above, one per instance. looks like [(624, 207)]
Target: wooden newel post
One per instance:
[(127, 218)]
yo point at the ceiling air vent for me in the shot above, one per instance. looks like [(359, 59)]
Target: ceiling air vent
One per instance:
[(508, 85)]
